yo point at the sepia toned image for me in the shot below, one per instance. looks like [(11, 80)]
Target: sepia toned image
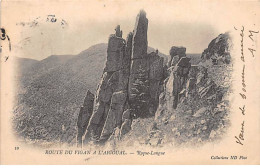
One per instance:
[(130, 82)]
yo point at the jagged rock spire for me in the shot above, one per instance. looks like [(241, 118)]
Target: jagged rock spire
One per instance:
[(127, 66), (140, 36)]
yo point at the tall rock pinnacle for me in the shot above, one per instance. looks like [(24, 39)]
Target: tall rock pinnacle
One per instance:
[(138, 81), (124, 90), (140, 36)]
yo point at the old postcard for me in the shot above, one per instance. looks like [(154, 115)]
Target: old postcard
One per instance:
[(130, 82)]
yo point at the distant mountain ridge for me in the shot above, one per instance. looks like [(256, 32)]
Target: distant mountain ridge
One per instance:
[(33, 67)]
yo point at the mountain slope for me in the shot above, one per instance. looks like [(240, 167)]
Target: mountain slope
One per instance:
[(53, 90), (25, 63), (29, 72)]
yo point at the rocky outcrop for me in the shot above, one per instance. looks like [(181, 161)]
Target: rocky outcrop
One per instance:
[(84, 116), (130, 86), (218, 50), (138, 88), (156, 76), (176, 53), (111, 92), (136, 85), (194, 105), (146, 72), (183, 82), (178, 70)]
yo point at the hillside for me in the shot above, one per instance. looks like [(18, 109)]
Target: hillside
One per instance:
[(52, 91), (24, 64)]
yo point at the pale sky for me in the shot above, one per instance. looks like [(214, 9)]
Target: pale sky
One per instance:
[(171, 23)]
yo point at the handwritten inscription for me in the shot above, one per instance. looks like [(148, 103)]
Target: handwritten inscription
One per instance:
[(242, 44), (252, 37), (239, 139), (51, 18), (243, 95), (242, 110), (48, 19)]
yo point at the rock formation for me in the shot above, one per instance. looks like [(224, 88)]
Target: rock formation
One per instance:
[(218, 50), (112, 91), (176, 53), (136, 85), (130, 86), (84, 116), (178, 70), (146, 72), (185, 80), (194, 101)]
